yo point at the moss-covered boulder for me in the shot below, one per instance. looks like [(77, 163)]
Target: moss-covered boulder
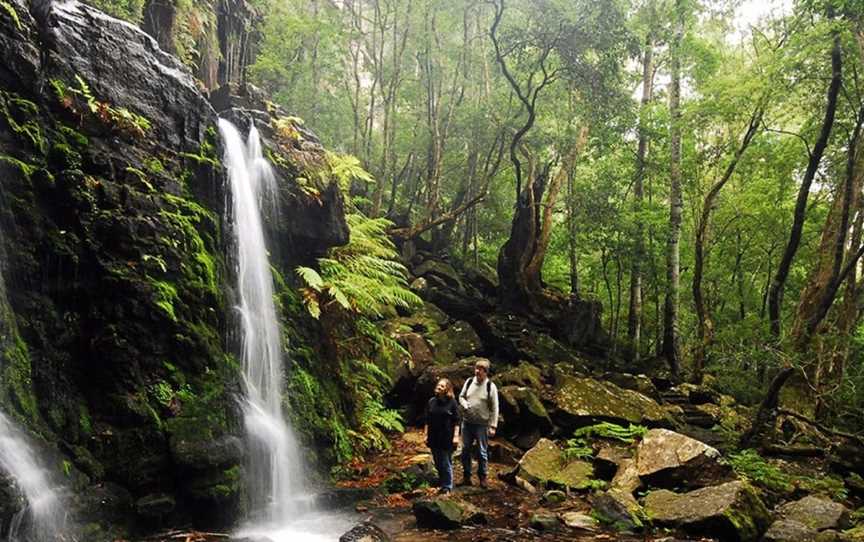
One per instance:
[(671, 460), (525, 375), (618, 509), (544, 521), (817, 513), (785, 530), (546, 465), (522, 411), (732, 512), (446, 513), (455, 342), (581, 401)]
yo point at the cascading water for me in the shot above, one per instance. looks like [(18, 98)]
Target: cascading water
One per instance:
[(43, 518), (281, 502)]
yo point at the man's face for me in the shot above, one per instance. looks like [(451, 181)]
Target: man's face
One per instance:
[(480, 372)]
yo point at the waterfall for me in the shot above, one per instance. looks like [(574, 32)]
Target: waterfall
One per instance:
[(43, 517), (281, 503)]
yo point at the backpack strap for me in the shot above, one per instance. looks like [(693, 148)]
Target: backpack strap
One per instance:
[(466, 386)]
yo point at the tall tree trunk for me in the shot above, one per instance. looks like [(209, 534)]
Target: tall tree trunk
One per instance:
[(775, 295), (158, 21), (533, 271), (634, 314), (703, 318), (671, 348), (814, 298), (571, 235)]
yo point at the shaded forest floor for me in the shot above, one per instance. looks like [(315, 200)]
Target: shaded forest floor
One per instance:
[(508, 508)]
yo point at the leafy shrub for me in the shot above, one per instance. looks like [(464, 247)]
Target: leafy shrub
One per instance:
[(752, 466)]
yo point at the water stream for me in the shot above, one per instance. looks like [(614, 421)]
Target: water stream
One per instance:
[(282, 504), (43, 516)]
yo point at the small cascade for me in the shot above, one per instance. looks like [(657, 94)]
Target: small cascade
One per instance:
[(43, 518), (281, 503)]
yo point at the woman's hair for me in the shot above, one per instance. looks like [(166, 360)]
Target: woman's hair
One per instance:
[(448, 387)]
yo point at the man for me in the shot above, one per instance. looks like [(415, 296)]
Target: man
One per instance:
[(479, 403)]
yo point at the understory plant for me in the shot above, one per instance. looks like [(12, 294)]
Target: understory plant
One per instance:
[(353, 287)]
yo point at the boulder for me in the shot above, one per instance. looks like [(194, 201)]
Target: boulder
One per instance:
[(544, 521), (582, 401), (523, 410), (640, 383), (554, 496), (457, 341), (627, 477), (786, 530), (579, 520), (817, 513), (525, 374), (669, 459), (619, 509), (732, 511), (446, 513), (365, 532), (439, 271), (545, 465)]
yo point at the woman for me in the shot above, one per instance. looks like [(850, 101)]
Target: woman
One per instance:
[(442, 421)]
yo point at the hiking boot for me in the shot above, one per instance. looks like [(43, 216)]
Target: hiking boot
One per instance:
[(483, 483), (465, 482), (444, 491)]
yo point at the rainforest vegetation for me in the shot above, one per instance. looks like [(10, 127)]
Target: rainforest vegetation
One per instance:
[(648, 214)]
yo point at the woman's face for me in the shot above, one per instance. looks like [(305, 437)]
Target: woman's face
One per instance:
[(440, 388)]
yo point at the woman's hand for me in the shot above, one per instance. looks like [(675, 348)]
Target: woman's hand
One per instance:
[(491, 432)]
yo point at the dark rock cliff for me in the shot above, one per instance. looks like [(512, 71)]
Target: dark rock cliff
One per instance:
[(116, 259)]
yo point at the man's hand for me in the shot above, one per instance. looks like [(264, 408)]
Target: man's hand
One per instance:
[(491, 431)]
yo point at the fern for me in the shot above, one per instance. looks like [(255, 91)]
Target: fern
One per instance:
[(364, 277)]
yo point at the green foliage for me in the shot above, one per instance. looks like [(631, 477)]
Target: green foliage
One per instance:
[(164, 296), (750, 465), (614, 431), (579, 446), (22, 117), (80, 101), (363, 277), (128, 10), (404, 481), (9, 9)]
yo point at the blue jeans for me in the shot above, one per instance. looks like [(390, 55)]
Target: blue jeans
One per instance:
[(444, 466), (472, 432)]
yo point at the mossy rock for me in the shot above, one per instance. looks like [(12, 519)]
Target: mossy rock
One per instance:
[(545, 465), (522, 410), (732, 511), (446, 513), (816, 512), (525, 374), (455, 342), (581, 401)]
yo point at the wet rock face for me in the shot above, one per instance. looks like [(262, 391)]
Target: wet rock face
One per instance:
[(124, 66), (114, 244), (731, 511)]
